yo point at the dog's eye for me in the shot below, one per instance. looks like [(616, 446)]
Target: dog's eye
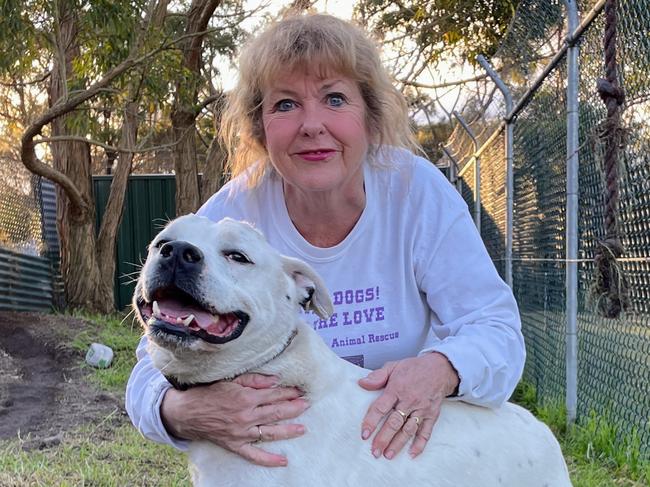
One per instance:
[(160, 243), (237, 257)]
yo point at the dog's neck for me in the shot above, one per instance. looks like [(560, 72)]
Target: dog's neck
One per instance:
[(265, 358), (307, 363)]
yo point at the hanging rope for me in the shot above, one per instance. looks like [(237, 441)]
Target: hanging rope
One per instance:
[(611, 285)]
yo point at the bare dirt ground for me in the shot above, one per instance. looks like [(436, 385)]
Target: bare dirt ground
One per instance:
[(43, 388)]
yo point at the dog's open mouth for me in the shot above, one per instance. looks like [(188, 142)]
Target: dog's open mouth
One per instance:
[(174, 312)]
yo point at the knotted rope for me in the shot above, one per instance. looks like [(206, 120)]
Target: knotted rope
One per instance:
[(611, 286)]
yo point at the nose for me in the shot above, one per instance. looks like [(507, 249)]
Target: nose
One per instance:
[(181, 255), (312, 122)]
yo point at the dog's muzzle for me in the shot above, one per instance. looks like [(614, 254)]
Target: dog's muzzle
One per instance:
[(170, 305)]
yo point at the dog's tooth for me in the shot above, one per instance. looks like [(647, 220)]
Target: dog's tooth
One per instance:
[(156, 309), (187, 321)]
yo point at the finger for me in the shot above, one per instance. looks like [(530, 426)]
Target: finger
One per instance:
[(377, 379), (257, 381), (376, 412), (274, 413), (422, 436), (389, 429), (278, 394), (261, 457), (402, 437), (275, 432)]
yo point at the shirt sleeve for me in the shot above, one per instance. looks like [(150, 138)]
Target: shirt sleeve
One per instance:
[(475, 314), (144, 394)]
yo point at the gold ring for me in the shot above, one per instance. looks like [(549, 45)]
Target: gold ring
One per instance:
[(259, 433), (402, 414), (417, 420)]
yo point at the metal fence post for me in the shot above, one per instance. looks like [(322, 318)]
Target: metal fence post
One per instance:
[(453, 168), (477, 170), (509, 161), (572, 214)]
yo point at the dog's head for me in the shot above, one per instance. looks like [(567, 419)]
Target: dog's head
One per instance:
[(219, 292)]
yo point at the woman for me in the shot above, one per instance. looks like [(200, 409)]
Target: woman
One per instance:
[(319, 145)]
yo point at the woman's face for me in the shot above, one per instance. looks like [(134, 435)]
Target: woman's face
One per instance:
[(315, 131)]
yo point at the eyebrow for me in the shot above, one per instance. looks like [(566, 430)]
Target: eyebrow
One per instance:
[(289, 92)]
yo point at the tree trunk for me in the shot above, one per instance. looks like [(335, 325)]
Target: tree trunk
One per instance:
[(87, 263), (184, 111), (84, 287), (213, 176), (107, 239)]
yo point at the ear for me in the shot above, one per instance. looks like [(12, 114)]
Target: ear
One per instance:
[(312, 292)]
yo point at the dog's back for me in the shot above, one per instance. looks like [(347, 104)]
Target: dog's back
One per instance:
[(470, 446)]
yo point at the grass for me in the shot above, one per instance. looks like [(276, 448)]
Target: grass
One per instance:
[(119, 333), (118, 457), (108, 453), (112, 453), (597, 451)]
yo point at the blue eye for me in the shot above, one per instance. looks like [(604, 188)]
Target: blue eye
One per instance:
[(285, 105), (336, 99)]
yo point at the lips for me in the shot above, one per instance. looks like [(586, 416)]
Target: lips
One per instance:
[(316, 154), (173, 312)]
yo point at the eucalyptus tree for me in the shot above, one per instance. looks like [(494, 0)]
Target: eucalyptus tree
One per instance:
[(426, 38), (421, 33), (105, 65)]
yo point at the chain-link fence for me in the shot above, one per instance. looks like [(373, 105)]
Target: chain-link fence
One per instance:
[(20, 216), (28, 242), (613, 353)]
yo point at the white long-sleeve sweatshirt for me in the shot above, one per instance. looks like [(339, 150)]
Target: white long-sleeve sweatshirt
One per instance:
[(412, 277)]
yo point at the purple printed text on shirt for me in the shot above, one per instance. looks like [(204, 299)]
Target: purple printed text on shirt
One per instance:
[(350, 296), (345, 315)]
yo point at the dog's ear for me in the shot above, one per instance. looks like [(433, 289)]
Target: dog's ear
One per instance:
[(312, 293)]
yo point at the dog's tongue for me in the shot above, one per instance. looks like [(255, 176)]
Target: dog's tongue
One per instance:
[(213, 324)]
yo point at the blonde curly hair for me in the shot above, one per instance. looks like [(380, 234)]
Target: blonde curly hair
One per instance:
[(326, 45)]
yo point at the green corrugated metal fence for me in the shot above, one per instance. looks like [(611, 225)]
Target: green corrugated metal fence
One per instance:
[(25, 282), (149, 205)]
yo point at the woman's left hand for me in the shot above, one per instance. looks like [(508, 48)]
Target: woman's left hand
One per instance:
[(414, 389)]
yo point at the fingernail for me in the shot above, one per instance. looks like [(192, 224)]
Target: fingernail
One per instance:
[(301, 429), (376, 453), (412, 454), (365, 434), (390, 454)]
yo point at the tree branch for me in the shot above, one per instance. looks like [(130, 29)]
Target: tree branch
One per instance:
[(26, 83), (108, 147), (27, 151), (211, 99), (444, 85)]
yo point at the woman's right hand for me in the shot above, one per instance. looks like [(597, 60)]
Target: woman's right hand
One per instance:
[(229, 413)]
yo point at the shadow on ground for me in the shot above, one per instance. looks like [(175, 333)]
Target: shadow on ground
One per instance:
[(43, 386)]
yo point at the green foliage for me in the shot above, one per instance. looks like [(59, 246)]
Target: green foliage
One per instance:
[(441, 26), (21, 36), (430, 136), (106, 35), (598, 451)]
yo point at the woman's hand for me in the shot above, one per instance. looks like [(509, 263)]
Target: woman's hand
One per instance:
[(235, 414), (414, 389)]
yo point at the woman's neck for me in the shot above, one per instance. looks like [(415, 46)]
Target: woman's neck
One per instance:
[(325, 218)]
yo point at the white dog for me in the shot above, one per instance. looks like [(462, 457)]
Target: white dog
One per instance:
[(217, 301)]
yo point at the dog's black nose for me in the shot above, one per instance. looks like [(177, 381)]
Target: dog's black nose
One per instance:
[(183, 254)]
